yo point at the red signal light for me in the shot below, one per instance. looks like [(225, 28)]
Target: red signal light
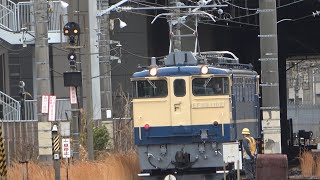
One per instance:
[(146, 126)]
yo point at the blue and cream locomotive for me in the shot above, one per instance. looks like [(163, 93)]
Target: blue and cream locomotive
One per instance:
[(187, 110)]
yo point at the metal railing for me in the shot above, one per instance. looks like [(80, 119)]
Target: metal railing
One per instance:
[(21, 135), (9, 108), (63, 106), (7, 15), (14, 17)]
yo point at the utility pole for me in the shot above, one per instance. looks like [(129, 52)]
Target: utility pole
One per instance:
[(105, 63), (269, 76), (41, 61), (91, 70)]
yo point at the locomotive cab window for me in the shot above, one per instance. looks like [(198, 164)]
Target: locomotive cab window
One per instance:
[(210, 86), (179, 87), (150, 88)]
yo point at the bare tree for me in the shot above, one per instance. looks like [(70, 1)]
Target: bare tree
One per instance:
[(122, 124)]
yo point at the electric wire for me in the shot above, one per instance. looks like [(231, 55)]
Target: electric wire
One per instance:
[(255, 9), (237, 22), (305, 46), (149, 5), (156, 4), (143, 14), (51, 69), (243, 8), (229, 20), (225, 26), (248, 15), (144, 57), (285, 5), (104, 73), (310, 15)]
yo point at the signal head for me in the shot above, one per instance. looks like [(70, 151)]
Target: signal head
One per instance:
[(66, 32), (72, 56), (71, 28), (72, 59)]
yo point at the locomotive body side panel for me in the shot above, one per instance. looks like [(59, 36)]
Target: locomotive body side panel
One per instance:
[(246, 105)]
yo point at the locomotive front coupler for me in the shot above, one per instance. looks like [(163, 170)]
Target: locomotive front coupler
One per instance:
[(182, 160)]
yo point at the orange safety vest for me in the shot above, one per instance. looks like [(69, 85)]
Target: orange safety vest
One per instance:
[(252, 146)]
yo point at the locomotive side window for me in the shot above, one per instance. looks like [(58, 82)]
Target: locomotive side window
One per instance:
[(210, 86), (150, 88), (179, 87)]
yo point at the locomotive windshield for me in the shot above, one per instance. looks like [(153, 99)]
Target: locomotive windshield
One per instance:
[(150, 88), (210, 86)]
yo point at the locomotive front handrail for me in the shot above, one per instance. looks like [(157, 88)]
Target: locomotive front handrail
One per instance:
[(221, 53)]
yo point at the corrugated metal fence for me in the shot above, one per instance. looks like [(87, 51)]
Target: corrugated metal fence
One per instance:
[(305, 117)]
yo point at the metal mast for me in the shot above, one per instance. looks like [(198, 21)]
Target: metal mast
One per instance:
[(269, 76), (175, 33), (105, 63)]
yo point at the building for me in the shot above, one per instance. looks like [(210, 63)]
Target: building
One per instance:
[(303, 82)]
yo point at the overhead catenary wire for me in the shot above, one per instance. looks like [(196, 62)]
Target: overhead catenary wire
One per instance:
[(305, 46), (289, 4), (243, 8), (144, 57), (141, 2), (256, 9), (228, 20)]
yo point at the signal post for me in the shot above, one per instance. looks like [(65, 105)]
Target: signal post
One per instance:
[(56, 151), (73, 79)]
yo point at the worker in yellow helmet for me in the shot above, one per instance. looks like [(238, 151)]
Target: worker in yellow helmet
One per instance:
[(249, 153)]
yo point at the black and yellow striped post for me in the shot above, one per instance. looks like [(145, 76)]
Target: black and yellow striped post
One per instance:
[(55, 144), (3, 164), (56, 151)]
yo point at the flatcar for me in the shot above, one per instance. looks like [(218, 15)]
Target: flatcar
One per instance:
[(188, 110)]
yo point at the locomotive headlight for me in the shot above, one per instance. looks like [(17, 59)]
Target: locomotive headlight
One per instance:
[(204, 69), (153, 71)]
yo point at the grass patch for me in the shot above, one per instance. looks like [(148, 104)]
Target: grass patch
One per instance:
[(120, 166)]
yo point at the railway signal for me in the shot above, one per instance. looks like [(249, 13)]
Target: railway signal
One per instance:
[(72, 60), (72, 30)]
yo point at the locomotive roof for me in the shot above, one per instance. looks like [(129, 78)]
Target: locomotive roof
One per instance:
[(192, 70)]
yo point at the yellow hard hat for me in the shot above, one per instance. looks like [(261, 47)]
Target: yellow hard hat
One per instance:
[(245, 131)]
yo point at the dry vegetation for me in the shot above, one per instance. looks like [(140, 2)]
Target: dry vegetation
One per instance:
[(317, 166), (310, 164), (306, 163), (121, 166)]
